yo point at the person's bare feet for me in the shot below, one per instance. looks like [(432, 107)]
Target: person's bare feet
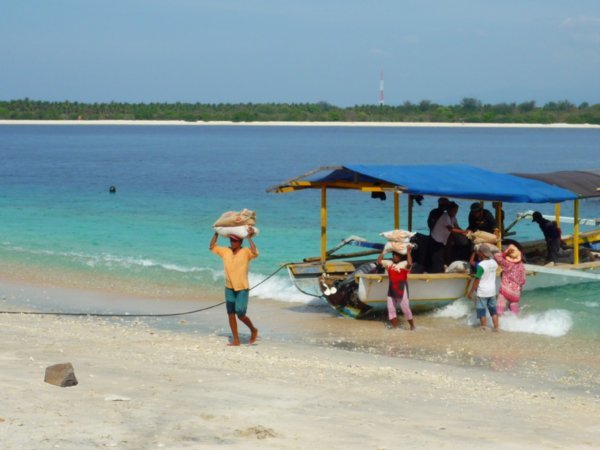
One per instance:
[(233, 344), (253, 336)]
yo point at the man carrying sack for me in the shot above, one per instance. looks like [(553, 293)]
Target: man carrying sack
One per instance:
[(236, 261)]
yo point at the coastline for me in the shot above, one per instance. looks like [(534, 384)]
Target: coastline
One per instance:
[(142, 385), (296, 124)]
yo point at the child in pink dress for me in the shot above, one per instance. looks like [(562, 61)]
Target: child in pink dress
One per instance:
[(513, 279)]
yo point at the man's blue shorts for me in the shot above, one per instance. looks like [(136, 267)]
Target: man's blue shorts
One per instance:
[(236, 301), (482, 303)]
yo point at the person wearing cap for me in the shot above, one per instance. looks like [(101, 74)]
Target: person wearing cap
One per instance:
[(236, 261), (485, 287), (481, 219), (513, 279), (552, 235), (438, 238)]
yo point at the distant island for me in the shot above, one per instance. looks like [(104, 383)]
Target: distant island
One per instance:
[(470, 110)]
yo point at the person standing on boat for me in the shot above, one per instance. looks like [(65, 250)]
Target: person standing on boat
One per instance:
[(398, 269), (552, 235), (438, 238), (236, 261), (485, 287), (513, 279), (481, 219), (436, 213)]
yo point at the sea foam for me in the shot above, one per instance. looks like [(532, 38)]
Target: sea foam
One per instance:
[(277, 288), (455, 310), (554, 322)]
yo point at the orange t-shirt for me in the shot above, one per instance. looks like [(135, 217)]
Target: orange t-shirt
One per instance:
[(236, 266)]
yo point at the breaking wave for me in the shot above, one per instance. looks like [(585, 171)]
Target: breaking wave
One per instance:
[(554, 322), (277, 288)]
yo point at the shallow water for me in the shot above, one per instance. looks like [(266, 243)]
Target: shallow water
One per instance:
[(59, 224)]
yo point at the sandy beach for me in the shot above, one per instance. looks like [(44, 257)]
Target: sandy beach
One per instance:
[(296, 124), (312, 382)]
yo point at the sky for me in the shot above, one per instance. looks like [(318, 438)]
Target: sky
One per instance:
[(284, 51)]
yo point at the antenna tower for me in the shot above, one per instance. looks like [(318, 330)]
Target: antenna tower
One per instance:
[(381, 97)]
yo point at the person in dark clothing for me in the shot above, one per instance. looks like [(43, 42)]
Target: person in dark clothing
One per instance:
[(438, 238), (551, 235), (436, 213), (481, 219)]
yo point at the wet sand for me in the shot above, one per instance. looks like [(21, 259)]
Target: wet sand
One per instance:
[(313, 381)]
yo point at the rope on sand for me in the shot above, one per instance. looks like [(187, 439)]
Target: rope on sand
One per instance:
[(82, 314)]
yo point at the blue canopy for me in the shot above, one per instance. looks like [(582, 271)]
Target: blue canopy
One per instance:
[(458, 181)]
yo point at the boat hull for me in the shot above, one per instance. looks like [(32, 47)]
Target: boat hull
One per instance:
[(426, 291), (368, 294)]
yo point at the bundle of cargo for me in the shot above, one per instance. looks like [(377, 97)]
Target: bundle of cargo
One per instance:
[(482, 237), (397, 241), (236, 223), (236, 218)]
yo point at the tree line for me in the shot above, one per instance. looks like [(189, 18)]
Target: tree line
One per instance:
[(469, 110)]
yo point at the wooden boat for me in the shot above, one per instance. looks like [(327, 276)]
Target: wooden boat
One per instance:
[(346, 281)]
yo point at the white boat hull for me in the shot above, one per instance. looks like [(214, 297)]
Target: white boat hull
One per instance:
[(426, 291)]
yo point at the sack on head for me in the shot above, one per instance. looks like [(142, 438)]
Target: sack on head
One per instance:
[(397, 235), (398, 247), (236, 218), (241, 231)]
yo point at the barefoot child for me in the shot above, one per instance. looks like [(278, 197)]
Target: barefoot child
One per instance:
[(485, 285), (236, 260), (398, 269)]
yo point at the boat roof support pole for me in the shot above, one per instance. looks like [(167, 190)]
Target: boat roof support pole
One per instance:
[(410, 212), (396, 210), (499, 222), (323, 224), (576, 232)]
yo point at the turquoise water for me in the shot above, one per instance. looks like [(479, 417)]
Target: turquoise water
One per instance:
[(173, 183)]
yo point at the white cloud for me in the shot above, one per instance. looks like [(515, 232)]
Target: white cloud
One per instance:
[(583, 29), (581, 22), (380, 52), (412, 40)]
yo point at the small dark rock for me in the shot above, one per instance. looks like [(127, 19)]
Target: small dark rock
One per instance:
[(61, 375)]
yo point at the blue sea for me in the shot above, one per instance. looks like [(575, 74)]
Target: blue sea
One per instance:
[(58, 219)]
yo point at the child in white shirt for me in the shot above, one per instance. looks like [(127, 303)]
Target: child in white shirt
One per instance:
[(485, 285)]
